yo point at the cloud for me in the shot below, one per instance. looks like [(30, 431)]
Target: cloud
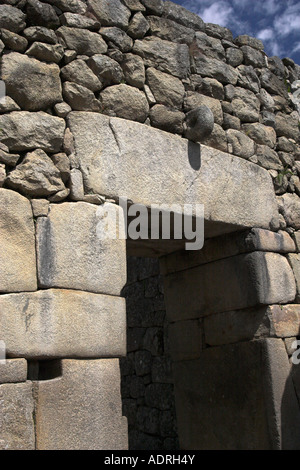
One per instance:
[(218, 13), (296, 48), (266, 34), (289, 21)]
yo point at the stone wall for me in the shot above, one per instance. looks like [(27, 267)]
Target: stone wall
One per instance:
[(217, 123), (147, 376)]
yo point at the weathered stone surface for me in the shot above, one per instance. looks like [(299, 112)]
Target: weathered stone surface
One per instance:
[(36, 176), (250, 185), (75, 20), (287, 126), (236, 326), (273, 84), (40, 207), (263, 135), (218, 32), (234, 56), (266, 100), (244, 103), (82, 41), (108, 71), (12, 18), (294, 260), (62, 109), (101, 268), (194, 100), (284, 320), (17, 255), (95, 393), (245, 40), (46, 52), (8, 105), (279, 321), (164, 55), (41, 34), (62, 163), (2, 174), (289, 207), (10, 159), (226, 246), (167, 119), (155, 7), (118, 37), (124, 101), (13, 371), (13, 41), (112, 13), (134, 70), (231, 122), (251, 279), (208, 46), (217, 139), (186, 340), (247, 78), (74, 324), (34, 85), (199, 123), (240, 144), (80, 98), (182, 16), (42, 14), (268, 158), (214, 68), (209, 412), (22, 130), (78, 72), (253, 57), (169, 30), (75, 6), (166, 89), (213, 88), (17, 426), (138, 26)]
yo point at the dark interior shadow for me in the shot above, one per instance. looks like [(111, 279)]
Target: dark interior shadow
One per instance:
[(290, 403), (194, 154)]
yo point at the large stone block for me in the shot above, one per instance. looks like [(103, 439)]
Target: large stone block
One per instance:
[(237, 397), (163, 168), (34, 85), (23, 130), (13, 371), (62, 323), (233, 283), (71, 252), (17, 241), (280, 321), (164, 55), (232, 244), (16, 417), (81, 410)]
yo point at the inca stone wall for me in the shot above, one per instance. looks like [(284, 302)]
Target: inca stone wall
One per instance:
[(142, 99), (147, 376)]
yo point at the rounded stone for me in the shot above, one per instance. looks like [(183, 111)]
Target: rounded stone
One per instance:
[(199, 123)]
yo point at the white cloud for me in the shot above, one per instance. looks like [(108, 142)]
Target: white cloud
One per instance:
[(266, 34), (218, 13), (289, 21), (296, 48), (269, 7)]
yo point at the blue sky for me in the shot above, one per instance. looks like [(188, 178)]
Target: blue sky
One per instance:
[(275, 22)]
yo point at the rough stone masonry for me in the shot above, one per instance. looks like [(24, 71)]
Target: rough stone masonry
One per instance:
[(141, 98)]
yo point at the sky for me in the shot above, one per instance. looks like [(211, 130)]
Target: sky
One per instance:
[(275, 22)]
